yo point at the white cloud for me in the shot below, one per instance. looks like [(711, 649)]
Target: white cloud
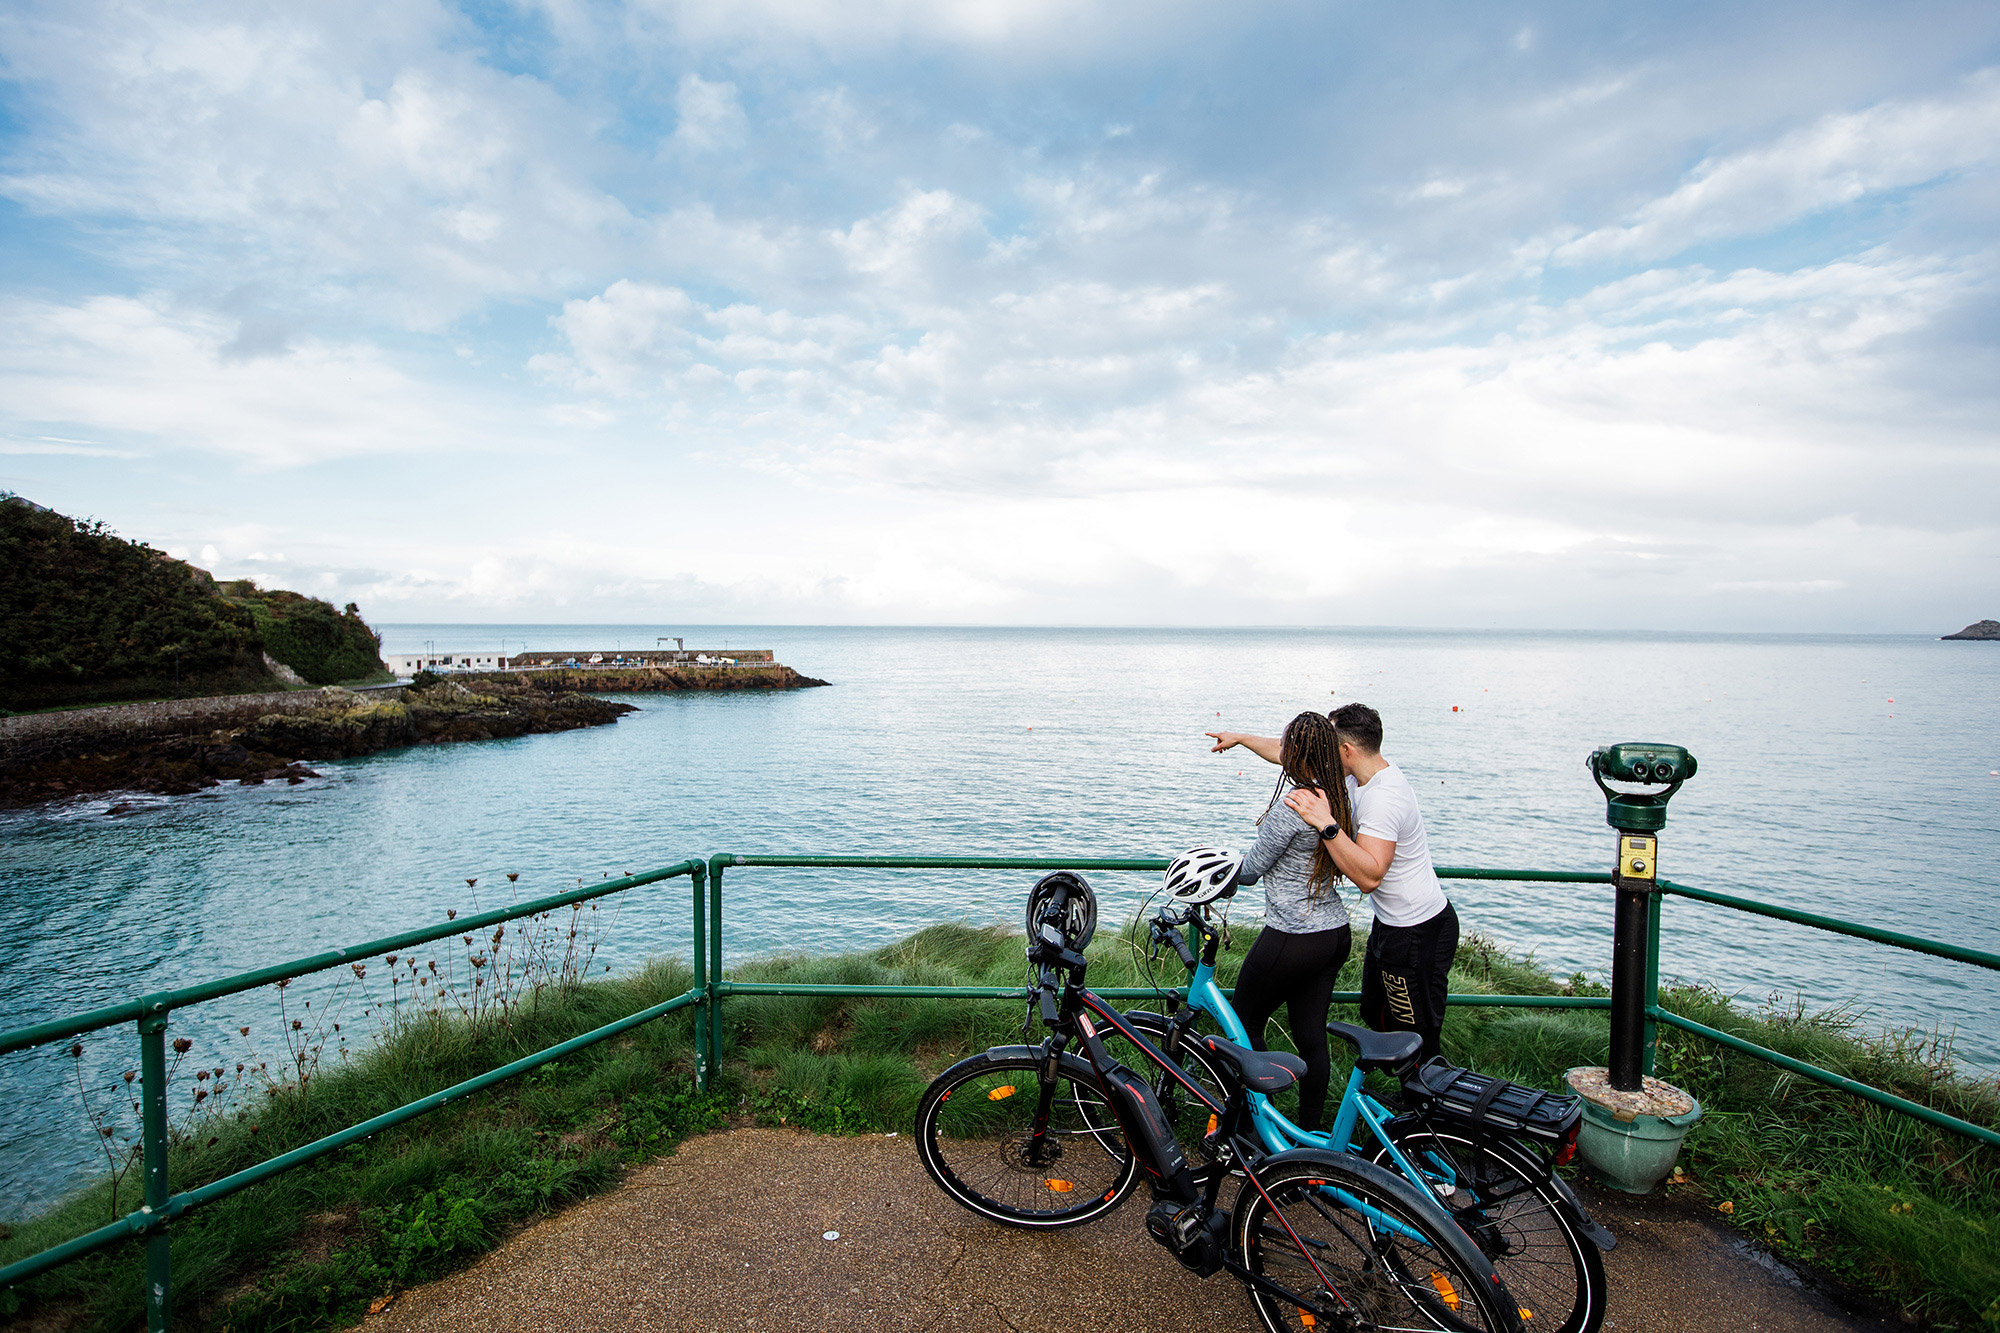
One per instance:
[(1838, 160), (363, 152), (1038, 26), (711, 115), (143, 372), (972, 310)]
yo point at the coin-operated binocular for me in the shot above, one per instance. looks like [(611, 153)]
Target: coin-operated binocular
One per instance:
[(1638, 816)]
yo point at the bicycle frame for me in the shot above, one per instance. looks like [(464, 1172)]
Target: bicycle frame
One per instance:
[(1273, 1127), (1102, 1010)]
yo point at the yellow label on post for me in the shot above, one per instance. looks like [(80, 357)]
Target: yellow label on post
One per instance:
[(1636, 857)]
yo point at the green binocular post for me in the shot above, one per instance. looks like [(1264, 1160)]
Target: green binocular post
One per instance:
[(1638, 817)]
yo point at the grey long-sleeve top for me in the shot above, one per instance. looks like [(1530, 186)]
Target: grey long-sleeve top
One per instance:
[(1282, 859)]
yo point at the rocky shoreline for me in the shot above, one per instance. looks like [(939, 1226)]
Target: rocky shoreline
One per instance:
[(278, 746), (177, 748), (1984, 629)]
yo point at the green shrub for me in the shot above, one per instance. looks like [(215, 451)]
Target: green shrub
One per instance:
[(88, 617), (323, 645)]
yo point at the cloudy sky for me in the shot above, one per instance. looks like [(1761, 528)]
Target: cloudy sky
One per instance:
[(787, 311)]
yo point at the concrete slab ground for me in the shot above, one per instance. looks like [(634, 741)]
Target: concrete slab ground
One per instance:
[(728, 1236)]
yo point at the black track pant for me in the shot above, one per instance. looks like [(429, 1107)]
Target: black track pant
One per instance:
[(1297, 971), (1404, 975)]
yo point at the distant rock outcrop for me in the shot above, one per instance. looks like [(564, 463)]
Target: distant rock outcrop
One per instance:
[(1985, 629)]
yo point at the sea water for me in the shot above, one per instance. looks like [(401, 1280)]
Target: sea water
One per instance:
[(1852, 776)]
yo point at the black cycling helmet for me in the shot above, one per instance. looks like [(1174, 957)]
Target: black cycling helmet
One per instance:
[(1074, 904)]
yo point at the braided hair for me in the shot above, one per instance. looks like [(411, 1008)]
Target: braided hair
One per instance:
[(1311, 758)]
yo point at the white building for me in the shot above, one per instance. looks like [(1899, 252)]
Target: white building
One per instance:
[(409, 664)]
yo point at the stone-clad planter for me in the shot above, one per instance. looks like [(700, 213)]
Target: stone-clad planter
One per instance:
[(1629, 1139)]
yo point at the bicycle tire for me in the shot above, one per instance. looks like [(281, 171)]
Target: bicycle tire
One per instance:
[(975, 1135), (1529, 1237), (1437, 1282)]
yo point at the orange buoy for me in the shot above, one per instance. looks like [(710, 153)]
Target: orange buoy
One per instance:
[(1454, 708)]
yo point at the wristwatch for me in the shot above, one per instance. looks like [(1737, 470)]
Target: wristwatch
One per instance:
[(1329, 833)]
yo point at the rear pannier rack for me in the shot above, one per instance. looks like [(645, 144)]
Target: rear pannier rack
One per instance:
[(1483, 1103)]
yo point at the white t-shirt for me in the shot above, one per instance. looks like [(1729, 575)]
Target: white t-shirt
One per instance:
[(1386, 807)]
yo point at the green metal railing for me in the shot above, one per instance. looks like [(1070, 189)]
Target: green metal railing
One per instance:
[(151, 1014), (1833, 925)]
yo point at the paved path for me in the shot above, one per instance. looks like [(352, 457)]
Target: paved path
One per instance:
[(727, 1236)]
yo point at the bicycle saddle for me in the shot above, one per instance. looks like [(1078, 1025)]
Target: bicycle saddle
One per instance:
[(1263, 1071), (1378, 1050)]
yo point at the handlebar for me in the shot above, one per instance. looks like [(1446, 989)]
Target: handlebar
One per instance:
[(1164, 932)]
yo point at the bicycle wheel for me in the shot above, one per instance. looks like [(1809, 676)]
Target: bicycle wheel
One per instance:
[(1518, 1223), (1190, 1118), (1362, 1246), (1007, 1148)]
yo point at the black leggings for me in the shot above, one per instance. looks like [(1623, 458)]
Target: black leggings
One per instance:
[(1297, 971)]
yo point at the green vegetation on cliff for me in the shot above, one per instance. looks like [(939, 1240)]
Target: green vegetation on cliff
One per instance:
[(1886, 1204), (88, 617), (325, 646)]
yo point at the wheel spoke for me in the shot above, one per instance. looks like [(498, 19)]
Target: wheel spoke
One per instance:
[(1000, 1142)]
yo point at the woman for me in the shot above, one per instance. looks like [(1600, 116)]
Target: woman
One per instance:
[(1306, 935)]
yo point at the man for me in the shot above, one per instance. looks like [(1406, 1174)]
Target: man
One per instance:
[(1406, 969)]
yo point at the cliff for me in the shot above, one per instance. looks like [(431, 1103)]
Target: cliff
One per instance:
[(88, 617), (1985, 629)]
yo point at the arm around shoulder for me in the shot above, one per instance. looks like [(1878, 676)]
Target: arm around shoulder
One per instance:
[(1365, 859)]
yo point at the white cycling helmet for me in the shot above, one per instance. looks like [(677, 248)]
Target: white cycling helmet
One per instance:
[(1203, 874)]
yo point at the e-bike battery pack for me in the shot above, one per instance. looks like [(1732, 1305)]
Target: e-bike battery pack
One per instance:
[(1145, 1123), (1487, 1105)]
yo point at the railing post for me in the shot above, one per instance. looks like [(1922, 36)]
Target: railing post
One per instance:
[(1630, 944), (1652, 1038), (699, 875), (153, 1144), (715, 864)]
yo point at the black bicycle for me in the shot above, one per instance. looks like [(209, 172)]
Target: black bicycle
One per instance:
[(1040, 1136)]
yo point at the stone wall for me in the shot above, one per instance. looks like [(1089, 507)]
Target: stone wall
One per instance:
[(39, 736)]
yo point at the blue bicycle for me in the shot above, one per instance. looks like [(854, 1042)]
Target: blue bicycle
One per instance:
[(1485, 1148)]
